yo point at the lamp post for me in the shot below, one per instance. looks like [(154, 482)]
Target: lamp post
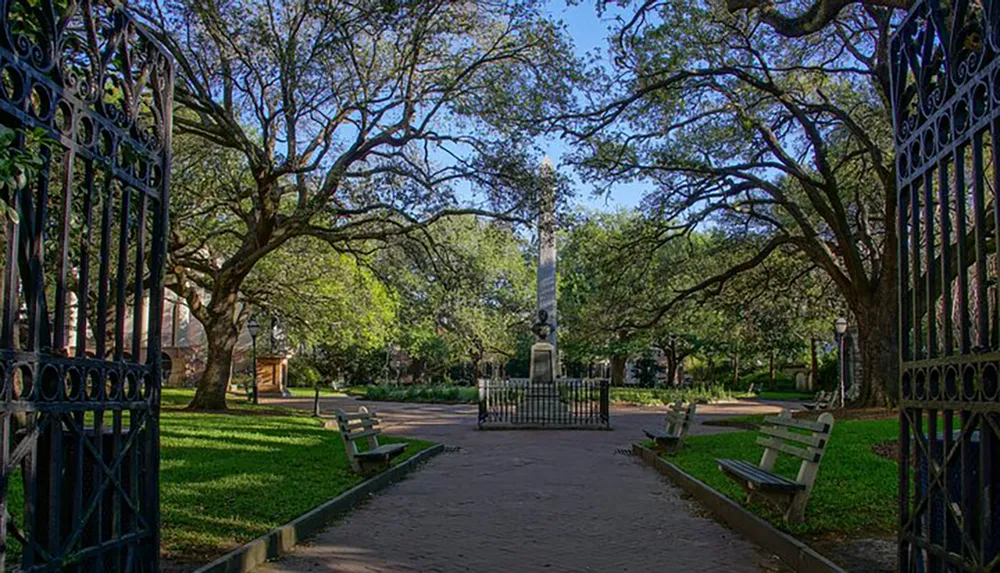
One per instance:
[(253, 326), (839, 329)]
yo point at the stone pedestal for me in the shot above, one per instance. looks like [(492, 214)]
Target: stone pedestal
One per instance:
[(542, 403), (543, 363), (272, 376), (177, 366)]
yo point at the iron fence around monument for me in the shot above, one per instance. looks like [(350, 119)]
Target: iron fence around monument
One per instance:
[(565, 403)]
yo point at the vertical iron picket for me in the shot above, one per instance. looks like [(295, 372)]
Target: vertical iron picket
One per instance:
[(945, 86), (91, 493)]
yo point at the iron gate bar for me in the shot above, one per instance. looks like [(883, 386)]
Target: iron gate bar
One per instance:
[(101, 90), (945, 85)]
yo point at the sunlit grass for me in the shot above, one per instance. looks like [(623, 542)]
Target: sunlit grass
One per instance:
[(856, 489), (228, 478)]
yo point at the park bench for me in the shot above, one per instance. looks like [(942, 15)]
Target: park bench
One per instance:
[(678, 421), (805, 439), (362, 427), (822, 401)]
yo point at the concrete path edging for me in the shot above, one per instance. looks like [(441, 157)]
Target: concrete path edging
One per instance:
[(791, 551), (283, 539)]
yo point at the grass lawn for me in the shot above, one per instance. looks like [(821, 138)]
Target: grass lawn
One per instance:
[(324, 391), (785, 395), (855, 492), (226, 479)]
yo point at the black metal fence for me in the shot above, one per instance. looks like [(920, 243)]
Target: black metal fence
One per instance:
[(85, 105), (565, 403), (946, 105)]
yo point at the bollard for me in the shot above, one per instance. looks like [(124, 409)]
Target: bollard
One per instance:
[(316, 403)]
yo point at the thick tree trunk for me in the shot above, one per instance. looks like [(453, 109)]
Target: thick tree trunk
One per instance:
[(617, 370), (222, 335), (878, 343)]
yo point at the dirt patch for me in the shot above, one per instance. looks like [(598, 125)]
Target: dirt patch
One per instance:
[(859, 554), (888, 449), (170, 565)]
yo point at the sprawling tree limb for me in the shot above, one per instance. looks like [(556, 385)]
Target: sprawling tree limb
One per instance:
[(819, 15)]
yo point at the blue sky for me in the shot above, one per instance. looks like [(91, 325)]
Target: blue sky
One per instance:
[(589, 33)]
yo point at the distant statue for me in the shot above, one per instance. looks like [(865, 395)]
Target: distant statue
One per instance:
[(542, 328)]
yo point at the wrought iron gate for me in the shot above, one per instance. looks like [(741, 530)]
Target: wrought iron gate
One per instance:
[(946, 103), (85, 104)]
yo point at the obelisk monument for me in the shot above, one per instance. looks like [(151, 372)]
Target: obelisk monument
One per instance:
[(544, 357), (546, 288)]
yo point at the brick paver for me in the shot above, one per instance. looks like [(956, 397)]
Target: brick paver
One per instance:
[(546, 501)]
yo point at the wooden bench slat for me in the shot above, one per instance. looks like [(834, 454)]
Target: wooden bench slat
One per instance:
[(817, 441), (752, 473), (359, 435), (791, 450), (354, 415), (369, 423), (761, 479), (800, 424), (655, 434), (388, 450)]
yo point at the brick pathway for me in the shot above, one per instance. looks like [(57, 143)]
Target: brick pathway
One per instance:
[(546, 501)]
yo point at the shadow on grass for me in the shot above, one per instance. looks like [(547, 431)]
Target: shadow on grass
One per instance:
[(226, 480)]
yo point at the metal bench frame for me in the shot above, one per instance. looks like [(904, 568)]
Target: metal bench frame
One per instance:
[(363, 426), (678, 420), (808, 443)]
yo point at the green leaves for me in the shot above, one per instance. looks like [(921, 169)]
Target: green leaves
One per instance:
[(19, 163)]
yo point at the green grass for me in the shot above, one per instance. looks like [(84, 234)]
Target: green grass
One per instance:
[(854, 493), (785, 395), (447, 394), (664, 396), (325, 391), (226, 479)]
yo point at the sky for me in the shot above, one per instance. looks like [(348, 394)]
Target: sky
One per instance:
[(589, 33)]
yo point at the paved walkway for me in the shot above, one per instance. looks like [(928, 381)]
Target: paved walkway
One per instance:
[(546, 501)]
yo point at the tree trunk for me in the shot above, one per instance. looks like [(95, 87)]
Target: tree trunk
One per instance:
[(222, 335), (770, 370), (617, 369), (813, 364), (878, 344), (736, 369)]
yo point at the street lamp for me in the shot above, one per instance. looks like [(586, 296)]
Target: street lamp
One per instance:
[(253, 326), (839, 329)]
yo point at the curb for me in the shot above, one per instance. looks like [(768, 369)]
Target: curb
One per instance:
[(791, 551), (283, 539)]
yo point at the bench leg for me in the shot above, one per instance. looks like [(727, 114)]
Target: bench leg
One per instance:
[(797, 508)]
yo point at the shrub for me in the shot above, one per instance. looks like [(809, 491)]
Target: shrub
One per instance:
[(302, 373), (663, 396)]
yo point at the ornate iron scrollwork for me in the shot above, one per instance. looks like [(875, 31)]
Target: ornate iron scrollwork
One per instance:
[(946, 106), (88, 97)]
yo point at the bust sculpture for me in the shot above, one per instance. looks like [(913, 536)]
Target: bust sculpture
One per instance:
[(542, 328)]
